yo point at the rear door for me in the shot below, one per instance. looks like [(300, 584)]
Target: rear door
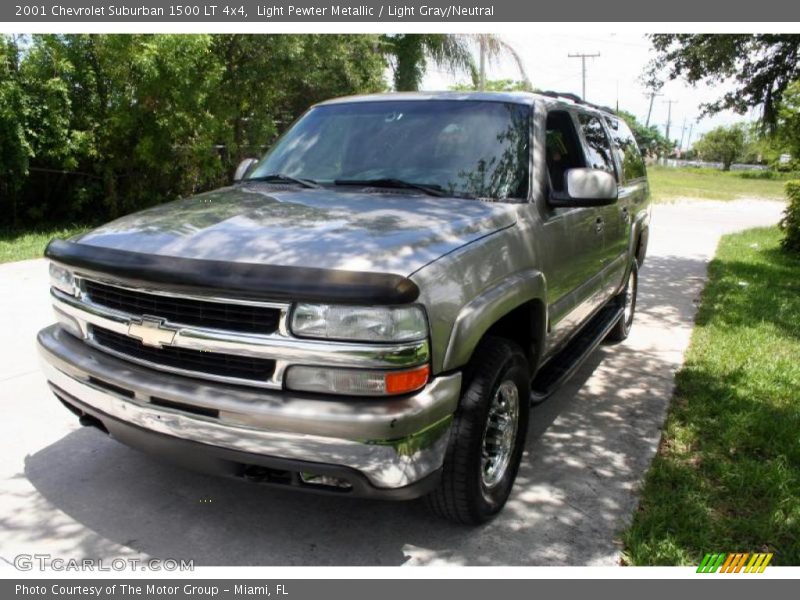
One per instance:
[(614, 218), (633, 193)]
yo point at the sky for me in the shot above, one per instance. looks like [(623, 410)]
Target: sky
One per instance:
[(614, 74)]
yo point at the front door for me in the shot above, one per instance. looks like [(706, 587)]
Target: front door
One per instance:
[(572, 238)]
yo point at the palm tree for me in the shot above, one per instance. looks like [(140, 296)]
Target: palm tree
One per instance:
[(491, 47), (409, 53)]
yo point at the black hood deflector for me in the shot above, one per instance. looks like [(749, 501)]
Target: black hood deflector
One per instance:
[(239, 279)]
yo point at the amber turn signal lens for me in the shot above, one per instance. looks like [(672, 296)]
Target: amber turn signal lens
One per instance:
[(401, 382)]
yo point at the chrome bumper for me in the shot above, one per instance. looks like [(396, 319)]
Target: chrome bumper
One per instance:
[(393, 442)]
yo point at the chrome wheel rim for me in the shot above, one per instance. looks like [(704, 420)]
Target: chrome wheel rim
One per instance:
[(629, 291), (499, 434)]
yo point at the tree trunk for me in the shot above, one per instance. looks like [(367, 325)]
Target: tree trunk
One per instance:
[(409, 62)]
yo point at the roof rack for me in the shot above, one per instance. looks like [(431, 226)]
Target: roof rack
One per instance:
[(576, 99)]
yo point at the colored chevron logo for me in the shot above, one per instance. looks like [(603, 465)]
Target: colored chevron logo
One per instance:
[(738, 562)]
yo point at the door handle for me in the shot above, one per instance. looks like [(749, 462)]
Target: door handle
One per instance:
[(626, 216), (598, 225)]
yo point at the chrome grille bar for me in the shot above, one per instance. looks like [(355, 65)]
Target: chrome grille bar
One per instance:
[(79, 315)]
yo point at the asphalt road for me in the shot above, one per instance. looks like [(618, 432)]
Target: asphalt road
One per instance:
[(73, 493)]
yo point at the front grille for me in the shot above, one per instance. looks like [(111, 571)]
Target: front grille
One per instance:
[(185, 311), (204, 363)]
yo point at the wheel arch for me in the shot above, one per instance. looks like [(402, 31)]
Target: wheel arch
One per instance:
[(642, 240), (640, 236), (515, 309)]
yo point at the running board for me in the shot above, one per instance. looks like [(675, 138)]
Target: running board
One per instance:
[(563, 365)]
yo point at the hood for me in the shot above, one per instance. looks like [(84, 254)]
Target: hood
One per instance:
[(265, 224)]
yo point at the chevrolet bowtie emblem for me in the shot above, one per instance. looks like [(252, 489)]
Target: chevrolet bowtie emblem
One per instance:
[(152, 332)]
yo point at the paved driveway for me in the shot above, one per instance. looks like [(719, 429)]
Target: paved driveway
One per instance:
[(73, 493)]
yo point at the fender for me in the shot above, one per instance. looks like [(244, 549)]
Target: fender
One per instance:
[(479, 314)]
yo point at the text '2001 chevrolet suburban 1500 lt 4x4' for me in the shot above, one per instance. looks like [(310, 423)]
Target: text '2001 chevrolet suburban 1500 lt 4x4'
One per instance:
[(372, 307)]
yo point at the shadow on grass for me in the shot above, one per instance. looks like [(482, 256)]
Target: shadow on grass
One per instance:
[(748, 293), (725, 479)]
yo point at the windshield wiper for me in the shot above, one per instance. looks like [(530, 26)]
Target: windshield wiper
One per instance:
[(309, 183), (389, 182)]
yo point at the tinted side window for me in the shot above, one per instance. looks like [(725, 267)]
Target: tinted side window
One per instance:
[(562, 148), (628, 151), (598, 147)]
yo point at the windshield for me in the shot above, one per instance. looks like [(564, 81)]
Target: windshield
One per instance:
[(465, 148)]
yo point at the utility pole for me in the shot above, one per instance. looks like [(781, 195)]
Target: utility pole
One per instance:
[(482, 71), (583, 58), (683, 132), (669, 116), (653, 94), (689, 139)]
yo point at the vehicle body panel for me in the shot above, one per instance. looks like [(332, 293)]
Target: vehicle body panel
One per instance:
[(346, 230), (473, 262)]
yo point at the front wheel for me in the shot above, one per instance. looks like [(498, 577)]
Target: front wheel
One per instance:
[(627, 299), (487, 436)]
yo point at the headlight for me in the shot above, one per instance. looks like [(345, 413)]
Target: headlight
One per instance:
[(360, 323), (356, 382), (62, 279)]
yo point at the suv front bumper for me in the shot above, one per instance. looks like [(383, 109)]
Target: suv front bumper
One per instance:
[(387, 447)]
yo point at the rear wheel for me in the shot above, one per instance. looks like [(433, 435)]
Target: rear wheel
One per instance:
[(487, 437), (627, 299)]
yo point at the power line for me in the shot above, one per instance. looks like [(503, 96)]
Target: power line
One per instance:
[(600, 40), (583, 58)]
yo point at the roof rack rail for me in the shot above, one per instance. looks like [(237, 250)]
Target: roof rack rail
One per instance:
[(552, 94), (576, 99)]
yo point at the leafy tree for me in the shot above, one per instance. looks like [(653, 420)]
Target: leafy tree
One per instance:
[(491, 47), (762, 147), (409, 53), (15, 149), (495, 85), (787, 133), (722, 144), (761, 67), (94, 126), (268, 81), (127, 111), (650, 139)]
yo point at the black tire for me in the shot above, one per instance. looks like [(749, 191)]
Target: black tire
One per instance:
[(622, 327), (463, 495)]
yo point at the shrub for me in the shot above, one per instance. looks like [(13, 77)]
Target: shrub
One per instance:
[(786, 167), (769, 175), (791, 218), (96, 126)]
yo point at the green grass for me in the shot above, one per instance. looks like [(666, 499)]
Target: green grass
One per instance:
[(669, 185), (727, 474), (22, 245)]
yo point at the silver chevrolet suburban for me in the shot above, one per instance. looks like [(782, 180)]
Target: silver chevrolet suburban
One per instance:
[(371, 308)]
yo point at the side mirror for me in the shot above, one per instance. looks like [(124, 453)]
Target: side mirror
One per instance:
[(243, 168), (586, 187)]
